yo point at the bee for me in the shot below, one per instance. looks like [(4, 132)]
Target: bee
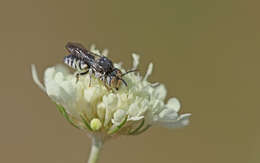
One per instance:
[(101, 67)]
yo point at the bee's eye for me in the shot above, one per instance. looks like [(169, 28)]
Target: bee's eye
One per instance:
[(113, 73)]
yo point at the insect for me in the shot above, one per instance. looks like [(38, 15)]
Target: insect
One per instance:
[(100, 66)]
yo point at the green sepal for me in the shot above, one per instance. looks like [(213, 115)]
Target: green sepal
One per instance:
[(85, 122), (117, 128), (137, 129), (65, 114), (143, 130)]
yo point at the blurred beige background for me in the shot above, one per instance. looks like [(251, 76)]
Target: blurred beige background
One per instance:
[(205, 51)]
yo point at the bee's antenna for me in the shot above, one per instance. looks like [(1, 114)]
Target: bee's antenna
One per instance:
[(125, 83), (128, 72)]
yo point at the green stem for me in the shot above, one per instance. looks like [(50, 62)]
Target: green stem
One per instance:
[(97, 144)]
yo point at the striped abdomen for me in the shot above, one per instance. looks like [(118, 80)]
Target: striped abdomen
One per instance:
[(75, 62)]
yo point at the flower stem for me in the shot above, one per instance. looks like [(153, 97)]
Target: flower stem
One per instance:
[(97, 144)]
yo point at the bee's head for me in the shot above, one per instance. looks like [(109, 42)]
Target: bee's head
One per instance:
[(117, 77), (116, 73)]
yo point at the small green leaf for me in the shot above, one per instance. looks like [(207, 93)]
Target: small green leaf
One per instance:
[(117, 128), (85, 122), (137, 129), (65, 114), (143, 130)]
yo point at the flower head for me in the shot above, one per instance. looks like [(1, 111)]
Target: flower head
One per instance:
[(129, 111)]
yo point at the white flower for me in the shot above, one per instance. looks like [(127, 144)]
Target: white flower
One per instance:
[(128, 111)]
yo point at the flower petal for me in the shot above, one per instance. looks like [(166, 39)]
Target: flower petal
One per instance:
[(136, 118), (148, 72), (181, 121), (105, 52), (110, 102), (94, 50), (160, 92), (174, 104), (62, 91), (168, 115), (135, 61), (119, 116), (36, 79)]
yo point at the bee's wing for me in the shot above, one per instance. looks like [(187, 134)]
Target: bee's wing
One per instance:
[(97, 67), (96, 54), (80, 51), (74, 47)]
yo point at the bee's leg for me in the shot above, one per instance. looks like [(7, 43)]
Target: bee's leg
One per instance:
[(107, 87), (90, 74), (80, 74), (118, 84), (89, 85), (77, 77), (107, 84), (83, 73)]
